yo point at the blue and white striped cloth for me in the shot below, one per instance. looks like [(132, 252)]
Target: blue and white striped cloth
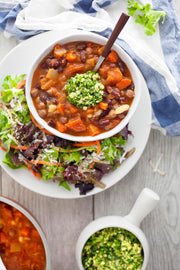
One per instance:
[(162, 76)]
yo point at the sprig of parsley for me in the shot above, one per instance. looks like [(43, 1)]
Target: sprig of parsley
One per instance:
[(145, 16)]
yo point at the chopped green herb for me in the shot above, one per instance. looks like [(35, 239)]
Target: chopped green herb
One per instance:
[(85, 90), (112, 248), (145, 16)]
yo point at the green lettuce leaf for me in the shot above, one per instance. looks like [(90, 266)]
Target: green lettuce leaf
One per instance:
[(74, 156), (145, 15), (65, 185), (7, 160), (9, 83), (22, 114), (111, 148), (5, 129)]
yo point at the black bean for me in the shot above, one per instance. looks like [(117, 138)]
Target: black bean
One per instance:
[(122, 66), (81, 46), (83, 56), (104, 122)]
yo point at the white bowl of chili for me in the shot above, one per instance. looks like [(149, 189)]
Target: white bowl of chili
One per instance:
[(70, 101), (117, 237), (22, 239)]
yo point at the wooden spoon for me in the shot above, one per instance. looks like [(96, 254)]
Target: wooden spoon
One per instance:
[(118, 28)]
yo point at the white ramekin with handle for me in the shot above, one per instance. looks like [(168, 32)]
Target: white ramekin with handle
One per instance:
[(145, 203)]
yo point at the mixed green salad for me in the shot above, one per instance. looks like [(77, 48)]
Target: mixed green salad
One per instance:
[(112, 248), (26, 144)]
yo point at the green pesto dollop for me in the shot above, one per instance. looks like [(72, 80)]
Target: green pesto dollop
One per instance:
[(112, 248), (85, 90)]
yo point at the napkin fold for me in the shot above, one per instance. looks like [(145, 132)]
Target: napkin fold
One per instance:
[(157, 57)]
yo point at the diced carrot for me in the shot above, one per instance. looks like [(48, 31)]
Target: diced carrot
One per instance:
[(20, 84), (43, 162), (76, 124), (60, 108), (113, 57), (72, 108), (2, 237), (114, 76), (73, 68), (93, 130), (91, 165), (89, 110), (123, 83), (58, 51), (3, 148), (25, 231), (103, 105), (1, 94), (70, 57), (62, 128)]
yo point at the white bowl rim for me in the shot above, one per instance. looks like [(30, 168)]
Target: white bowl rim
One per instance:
[(34, 222), (110, 222), (85, 36)]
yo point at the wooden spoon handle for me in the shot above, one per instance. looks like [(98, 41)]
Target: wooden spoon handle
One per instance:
[(119, 26)]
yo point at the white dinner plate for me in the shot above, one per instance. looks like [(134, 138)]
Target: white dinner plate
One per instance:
[(17, 62)]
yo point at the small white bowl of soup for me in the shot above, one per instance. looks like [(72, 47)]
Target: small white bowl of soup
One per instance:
[(115, 242), (23, 244), (67, 99)]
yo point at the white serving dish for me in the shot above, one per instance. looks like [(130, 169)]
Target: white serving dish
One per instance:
[(144, 204), (85, 36)]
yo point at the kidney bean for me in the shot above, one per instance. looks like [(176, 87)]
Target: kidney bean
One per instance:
[(109, 89), (123, 100), (105, 94), (42, 113), (52, 123), (104, 122), (81, 46), (116, 94), (43, 97), (34, 92), (38, 86), (63, 62), (60, 70), (83, 56), (122, 66), (52, 63), (41, 105), (43, 65)]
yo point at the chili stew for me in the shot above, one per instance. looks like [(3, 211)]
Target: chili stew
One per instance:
[(21, 247), (65, 70)]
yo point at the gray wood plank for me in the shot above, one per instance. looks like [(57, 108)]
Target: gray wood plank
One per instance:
[(162, 226), (61, 220)]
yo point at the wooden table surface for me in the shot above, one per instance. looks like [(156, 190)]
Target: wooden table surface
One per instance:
[(62, 220)]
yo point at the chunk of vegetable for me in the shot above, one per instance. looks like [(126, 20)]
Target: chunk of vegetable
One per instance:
[(93, 130), (60, 108), (58, 51), (46, 83), (114, 76), (73, 68), (62, 128), (70, 57), (103, 105), (113, 57), (76, 125), (52, 74), (121, 109), (123, 83)]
